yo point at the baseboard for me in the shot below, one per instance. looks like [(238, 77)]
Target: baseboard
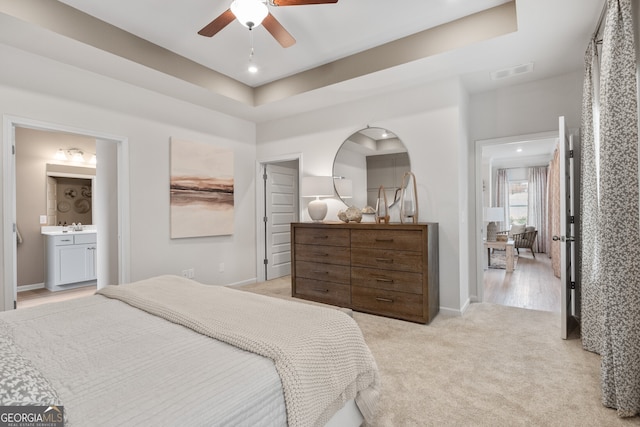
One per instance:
[(450, 312), (244, 282), (23, 288), (465, 306)]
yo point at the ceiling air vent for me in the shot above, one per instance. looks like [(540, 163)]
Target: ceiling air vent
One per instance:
[(513, 71)]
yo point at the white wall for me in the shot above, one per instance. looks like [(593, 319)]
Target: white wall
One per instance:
[(516, 110), (148, 120), (427, 120)]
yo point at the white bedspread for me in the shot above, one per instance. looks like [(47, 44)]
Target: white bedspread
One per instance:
[(115, 365), (319, 353)]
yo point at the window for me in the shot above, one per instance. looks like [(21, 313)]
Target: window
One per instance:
[(518, 201)]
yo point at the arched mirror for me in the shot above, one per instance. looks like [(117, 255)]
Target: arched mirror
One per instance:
[(369, 158)]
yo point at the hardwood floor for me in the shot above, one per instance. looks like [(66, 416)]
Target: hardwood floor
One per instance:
[(532, 284), (44, 296)]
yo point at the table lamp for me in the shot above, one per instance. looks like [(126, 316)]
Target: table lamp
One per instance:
[(492, 215), (317, 186)]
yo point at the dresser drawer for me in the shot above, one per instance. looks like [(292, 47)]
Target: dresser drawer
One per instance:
[(388, 303), (387, 279), (322, 236), (323, 254), (324, 272), (387, 259), (326, 292), (404, 240)]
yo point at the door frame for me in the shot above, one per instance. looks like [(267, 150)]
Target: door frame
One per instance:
[(261, 200), (477, 294), (9, 259)]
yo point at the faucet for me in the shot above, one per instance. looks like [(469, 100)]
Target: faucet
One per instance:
[(76, 227)]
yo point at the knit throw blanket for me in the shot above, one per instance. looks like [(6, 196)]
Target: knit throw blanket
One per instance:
[(319, 352)]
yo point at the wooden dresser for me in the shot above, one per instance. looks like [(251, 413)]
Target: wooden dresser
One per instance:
[(385, 269)]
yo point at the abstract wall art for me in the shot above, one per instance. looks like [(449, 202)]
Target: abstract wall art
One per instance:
[(202, 190)]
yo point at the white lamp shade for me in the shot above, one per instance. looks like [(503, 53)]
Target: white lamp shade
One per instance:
[(494, 214), (249, 13), (317, 186)]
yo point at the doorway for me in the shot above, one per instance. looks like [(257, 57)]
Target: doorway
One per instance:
[(277, 204), (532, 284), (110, 207)]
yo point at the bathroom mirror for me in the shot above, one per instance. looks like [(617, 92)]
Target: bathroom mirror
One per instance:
[(369, 158), (69, 194)]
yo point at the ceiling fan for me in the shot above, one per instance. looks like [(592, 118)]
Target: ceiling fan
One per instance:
[(252, 13)]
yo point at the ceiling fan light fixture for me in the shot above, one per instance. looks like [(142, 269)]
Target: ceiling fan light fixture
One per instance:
[(249, 13)]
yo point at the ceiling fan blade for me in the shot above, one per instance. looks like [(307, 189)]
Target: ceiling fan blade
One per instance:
[(277, 31), (218, 24), (300, 2)]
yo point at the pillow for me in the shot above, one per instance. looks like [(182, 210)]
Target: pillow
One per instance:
[(529, 228), (21, 383), (516, 229)]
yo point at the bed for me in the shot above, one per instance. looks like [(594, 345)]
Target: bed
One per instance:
[(169, 351)]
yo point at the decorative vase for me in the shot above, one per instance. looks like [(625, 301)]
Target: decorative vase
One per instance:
[(409, 199), (382, 207)]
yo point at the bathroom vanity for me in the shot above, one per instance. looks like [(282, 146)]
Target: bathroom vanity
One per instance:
[(70, 259)]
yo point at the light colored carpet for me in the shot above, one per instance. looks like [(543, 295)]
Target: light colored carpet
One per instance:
[(495, 366)]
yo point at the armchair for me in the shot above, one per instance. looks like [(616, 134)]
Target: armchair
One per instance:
[(523, 237)]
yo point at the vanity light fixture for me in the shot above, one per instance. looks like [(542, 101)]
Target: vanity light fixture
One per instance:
[(74, 155), (317, 186), (60, 155)]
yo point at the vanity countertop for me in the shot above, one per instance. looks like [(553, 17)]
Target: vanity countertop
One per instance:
[(60, 231)]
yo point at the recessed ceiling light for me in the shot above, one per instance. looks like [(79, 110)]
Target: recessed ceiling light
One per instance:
[(519, 150), (252, 68)]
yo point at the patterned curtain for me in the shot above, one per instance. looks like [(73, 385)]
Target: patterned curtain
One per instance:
[(591, 321), (537, 205), (553, 216), (502, 198), (613, 219)]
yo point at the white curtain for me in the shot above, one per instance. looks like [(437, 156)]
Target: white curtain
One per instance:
[(610, 313), (502, 197), (537, 205)]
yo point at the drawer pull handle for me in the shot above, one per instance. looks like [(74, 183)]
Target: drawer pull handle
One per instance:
[(383, 279), (324, 291), (384, 299), (384, 240), (384, 259), (322, 237), (320, 272)]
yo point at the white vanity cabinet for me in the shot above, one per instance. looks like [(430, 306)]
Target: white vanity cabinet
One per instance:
[(71, 261)]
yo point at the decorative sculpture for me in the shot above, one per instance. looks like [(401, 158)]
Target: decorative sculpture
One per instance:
[(409, 199)]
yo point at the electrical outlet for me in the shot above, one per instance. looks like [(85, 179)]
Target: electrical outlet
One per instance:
[(189, 273), (43, 220)]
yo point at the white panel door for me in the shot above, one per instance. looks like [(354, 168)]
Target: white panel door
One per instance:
[(281, 209), (569, 203)]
